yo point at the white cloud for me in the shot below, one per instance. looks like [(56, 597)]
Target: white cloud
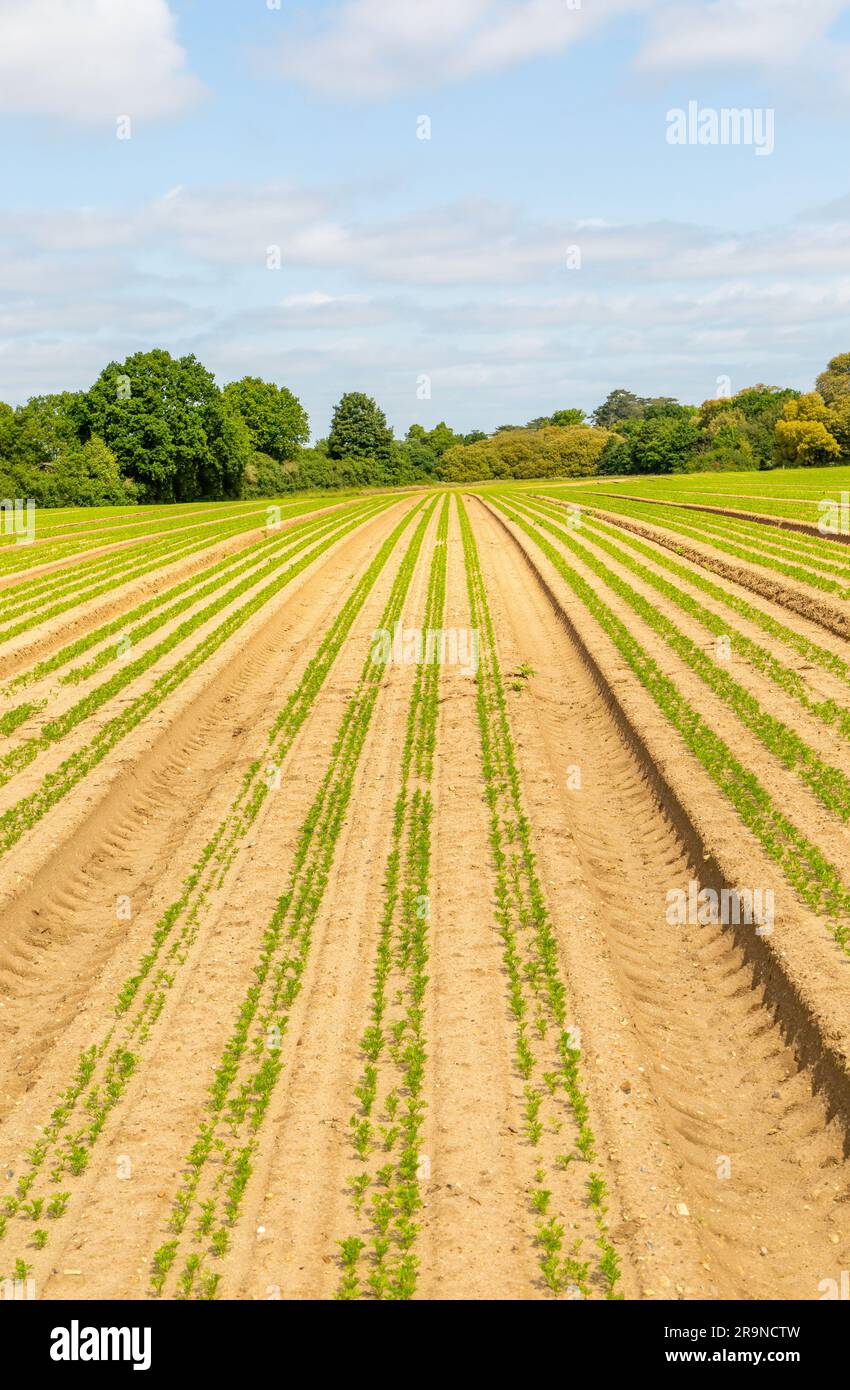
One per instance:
[(762, 34), (476, 294), (92, 60), (479, 243), (375, 48)]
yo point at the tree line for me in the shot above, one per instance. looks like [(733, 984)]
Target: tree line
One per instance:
[(156, 428)]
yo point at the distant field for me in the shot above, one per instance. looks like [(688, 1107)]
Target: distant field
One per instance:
[(780, 492), (440, 894)]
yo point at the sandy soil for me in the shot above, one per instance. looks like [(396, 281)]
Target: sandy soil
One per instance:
[(715, 1062)]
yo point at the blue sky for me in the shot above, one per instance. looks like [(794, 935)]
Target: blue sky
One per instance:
[(410, 265)]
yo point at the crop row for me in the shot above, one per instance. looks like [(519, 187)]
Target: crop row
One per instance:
[(547, 1050), (23, 753), (791, 504), (386, 1124), (45, 587), (163, 607), (619, 545), (818, 553), (26, 813), (15, 556), (827, 783), (251, 1063), (818, 881), (65, 1143), (54, 523), (809, 567), (30, 603)]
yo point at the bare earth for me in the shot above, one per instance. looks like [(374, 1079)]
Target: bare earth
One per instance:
[(715, 1062)]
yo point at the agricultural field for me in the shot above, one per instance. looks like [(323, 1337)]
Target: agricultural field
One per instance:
[(430, 894)]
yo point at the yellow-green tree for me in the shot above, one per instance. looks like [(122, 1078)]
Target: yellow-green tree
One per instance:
[(803, 436)]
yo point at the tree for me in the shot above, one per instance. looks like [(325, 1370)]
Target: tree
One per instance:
[(545, 453), (740, 430), (44, 428), (834, 383), (85, 475), (805, 443), (230, 450), (428, 446), (724, 441), (838, 424), (421, 456), (760, 401), (618, 405), (275, 418), (359, 429), (664, 442), (169, 426), (660, 407), (803, 438), (564, 418), (7, 430), (616, 457), (441, 438)]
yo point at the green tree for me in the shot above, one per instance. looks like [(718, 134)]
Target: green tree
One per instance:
[(359, 430), (665, 407), (803, 437), (169, 426), (754, 412), (805, 443), (664, 442), (838, 424), (87, 475), (760, 401), (618, 405), (421, 456), (275, 418), (531, 453), (441, 438), (428, 446), (565, 418), (616, 458), (834, 383), (7, 431), (44, 428)]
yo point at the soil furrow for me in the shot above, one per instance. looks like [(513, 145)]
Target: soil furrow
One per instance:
[(715, 1067)]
